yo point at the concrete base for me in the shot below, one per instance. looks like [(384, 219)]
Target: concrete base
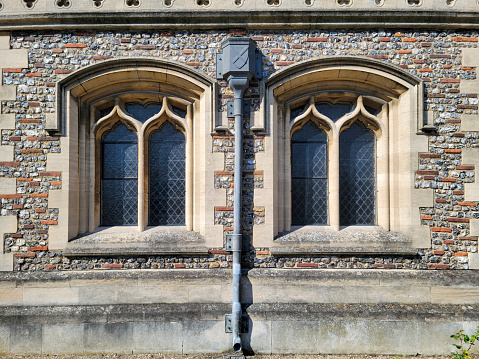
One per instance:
[(292, 323)]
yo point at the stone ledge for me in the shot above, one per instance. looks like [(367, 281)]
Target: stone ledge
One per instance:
[(221, 18)]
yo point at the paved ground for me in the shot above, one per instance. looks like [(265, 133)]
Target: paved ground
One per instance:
[(215, 356)]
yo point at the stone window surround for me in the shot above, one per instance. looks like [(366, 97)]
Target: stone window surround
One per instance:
[(400, 137), (143, 131), (378, 124), (112, 83)]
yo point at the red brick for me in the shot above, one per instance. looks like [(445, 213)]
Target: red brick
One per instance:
[(145, 47), (63, 71), (223, 173), (426, 44), (464, 39), (125, 41), (450, 80), (404, 51), (50, 266), (12, 163), (11, 196), (448, 241), (439, 56), (223, 208), (40, 210), (470, 204), (28, 226), (464, 167), (34, 183), (284, 63), (409, 39), (460, 254), (452, 150), (425, 70), (49, 222), (418, 61), (258, 38), (39, 195), (12, 70), (15, 138), (39, 65), (468, 68), (218, 251), (32, 150), (56, 183), (34, 74), (262, 253), (458, 220), (30, 120), (193, 63), (75, 45), (38, 248), (448, 180), (16, 235), (98, 57), (25, 255), (429, 155), (276, 51), (453, 120), (307, 265), (317, 39), (187, 51), (438, 253), (441, 229), (18, 206), (427, 172), (57, 51), (112, 265), (50, 174), (179, 265), (378, 57), (426, 217), (297, 46), (467, 107), (438, 266), (458, 193), (385, 39), (440, 200)]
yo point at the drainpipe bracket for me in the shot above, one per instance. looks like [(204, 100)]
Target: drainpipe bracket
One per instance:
[(246, 109), (231, 244), (244, 323)]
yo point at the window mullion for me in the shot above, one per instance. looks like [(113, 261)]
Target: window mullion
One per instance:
[(333, 174)]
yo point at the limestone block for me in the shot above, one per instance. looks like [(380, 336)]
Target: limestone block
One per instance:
[(474, 227), (11, 296), (8, 185), (470, 156), (16, 59), (8, 224), (7, 121), (151, 337), (51, 122), (473, 260), (4, 40), (6, 154), (469, 123), (62, 338), (470, 57), (8, 92), (50, 296), (154, 294), (98, 294), (470, 86), (454, 295), (205, 337), (4, 339), (108, 337), (26, 338)]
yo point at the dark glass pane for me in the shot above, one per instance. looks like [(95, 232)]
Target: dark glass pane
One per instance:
[(119, 185), (357, 176), (105, 112), (178, 111), (295, 112), (334, 111), (143, 113), (309, 187), (167, 177)]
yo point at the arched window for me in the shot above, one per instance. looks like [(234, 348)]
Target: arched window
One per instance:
[(119, 177), (166, 153), (309, 176), (357, 176)]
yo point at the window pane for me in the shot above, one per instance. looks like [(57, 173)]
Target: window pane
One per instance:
[(119, 171), (143, 113), (357, 173), (309, 183), (334, 111), (167, 177)]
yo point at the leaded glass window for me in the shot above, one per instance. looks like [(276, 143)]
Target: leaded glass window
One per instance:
[(119, 177), (309, 193), (167, 176), (334, 111), (143, 112), (357, 172)]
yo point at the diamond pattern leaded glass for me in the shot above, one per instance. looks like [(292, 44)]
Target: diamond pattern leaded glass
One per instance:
[(143, 113), (334, 111), (167, 177), (309, 188), (357, 185), (119, 171)]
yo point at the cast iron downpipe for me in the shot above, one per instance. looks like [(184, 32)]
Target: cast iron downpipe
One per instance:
[(237, 67), (238, 85)]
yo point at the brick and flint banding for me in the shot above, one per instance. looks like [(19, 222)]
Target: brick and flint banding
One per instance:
[(436, 57)]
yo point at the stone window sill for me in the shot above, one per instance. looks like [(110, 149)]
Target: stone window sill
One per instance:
[(126, 241), (352, 240)]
